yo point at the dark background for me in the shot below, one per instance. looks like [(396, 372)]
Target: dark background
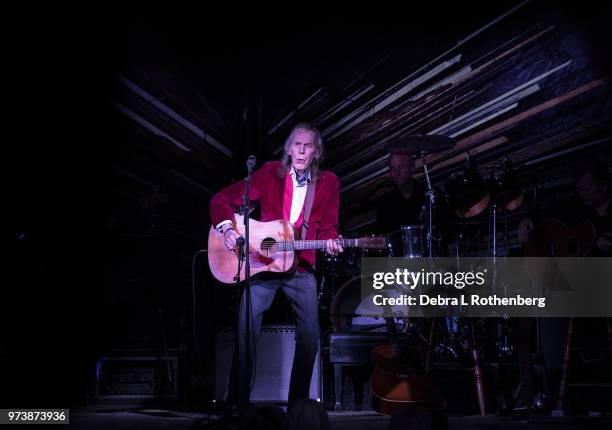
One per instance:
[(103, 217)]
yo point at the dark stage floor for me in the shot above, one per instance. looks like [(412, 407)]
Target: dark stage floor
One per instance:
[(366, 420)]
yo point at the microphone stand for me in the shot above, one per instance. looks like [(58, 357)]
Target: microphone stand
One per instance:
[(244, 386)]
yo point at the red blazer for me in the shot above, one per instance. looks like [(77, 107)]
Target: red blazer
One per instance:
[(268, 188)]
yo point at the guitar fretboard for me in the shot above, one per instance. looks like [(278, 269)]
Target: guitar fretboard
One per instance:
[(298, 245)]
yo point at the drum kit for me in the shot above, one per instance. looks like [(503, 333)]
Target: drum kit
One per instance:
[(466, 194)]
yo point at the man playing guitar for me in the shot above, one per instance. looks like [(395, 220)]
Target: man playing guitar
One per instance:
[(281, 187), (579, 226), (590, 204)]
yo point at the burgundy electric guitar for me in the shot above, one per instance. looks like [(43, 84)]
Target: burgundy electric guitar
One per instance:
[(271, 249), (555, 239)]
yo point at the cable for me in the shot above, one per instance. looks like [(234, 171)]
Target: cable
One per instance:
[(237, 325), (252, 348), (254, 353), (193, 294)]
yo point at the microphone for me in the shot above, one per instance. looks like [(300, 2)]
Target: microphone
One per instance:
[(240, 245), (251, 161)]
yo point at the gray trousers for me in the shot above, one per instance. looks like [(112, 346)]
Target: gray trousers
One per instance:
[(300, 288)]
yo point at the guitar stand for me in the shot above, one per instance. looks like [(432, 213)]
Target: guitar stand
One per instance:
[(478, 383), (474, 354), (528, 396)]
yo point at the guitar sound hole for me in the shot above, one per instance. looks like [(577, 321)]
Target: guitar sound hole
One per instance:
[(267, 246)]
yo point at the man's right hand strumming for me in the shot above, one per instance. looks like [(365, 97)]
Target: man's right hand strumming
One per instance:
[(229, 238)]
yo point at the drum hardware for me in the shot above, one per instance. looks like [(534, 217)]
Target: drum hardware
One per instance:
[(459, 338), (407, 241), (503, 345), (326, 293), (454, 341), (467, 192), (431, 198), (350, 312), (507, 195), (331, 268), (329, 264), (423, 145), (412, 239), (343, 312), (541, 400), (505, 187), (389, 245)]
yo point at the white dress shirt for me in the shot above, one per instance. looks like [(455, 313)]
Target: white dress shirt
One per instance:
[(297, 202)]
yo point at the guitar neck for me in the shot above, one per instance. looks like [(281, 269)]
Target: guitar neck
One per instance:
[(298, 245), (392, 337)]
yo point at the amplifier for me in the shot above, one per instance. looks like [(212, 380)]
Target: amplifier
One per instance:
[(136, 377), (354, 347), (275, 350)]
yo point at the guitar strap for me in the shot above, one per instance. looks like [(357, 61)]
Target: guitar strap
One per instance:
[(310, 192)]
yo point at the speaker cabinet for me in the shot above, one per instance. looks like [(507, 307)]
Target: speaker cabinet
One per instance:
[(275, 351), (136, 377)]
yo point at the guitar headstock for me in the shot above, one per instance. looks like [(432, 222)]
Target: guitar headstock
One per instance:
[(372, 242)]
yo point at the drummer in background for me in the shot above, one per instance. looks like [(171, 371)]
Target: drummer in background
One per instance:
[(406, 204), (591, 202)]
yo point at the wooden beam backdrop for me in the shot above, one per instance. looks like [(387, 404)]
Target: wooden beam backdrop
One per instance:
[(489, 86)]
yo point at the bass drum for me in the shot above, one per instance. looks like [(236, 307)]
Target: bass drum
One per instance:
[(350, 312)]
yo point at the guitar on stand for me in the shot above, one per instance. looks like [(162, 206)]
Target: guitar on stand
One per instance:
[(398, 380)]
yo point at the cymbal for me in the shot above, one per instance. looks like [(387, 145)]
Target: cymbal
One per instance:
[(415, 144)]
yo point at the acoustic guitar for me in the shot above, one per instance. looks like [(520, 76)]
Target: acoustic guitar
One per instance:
[(271, 249), (397, 379)]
